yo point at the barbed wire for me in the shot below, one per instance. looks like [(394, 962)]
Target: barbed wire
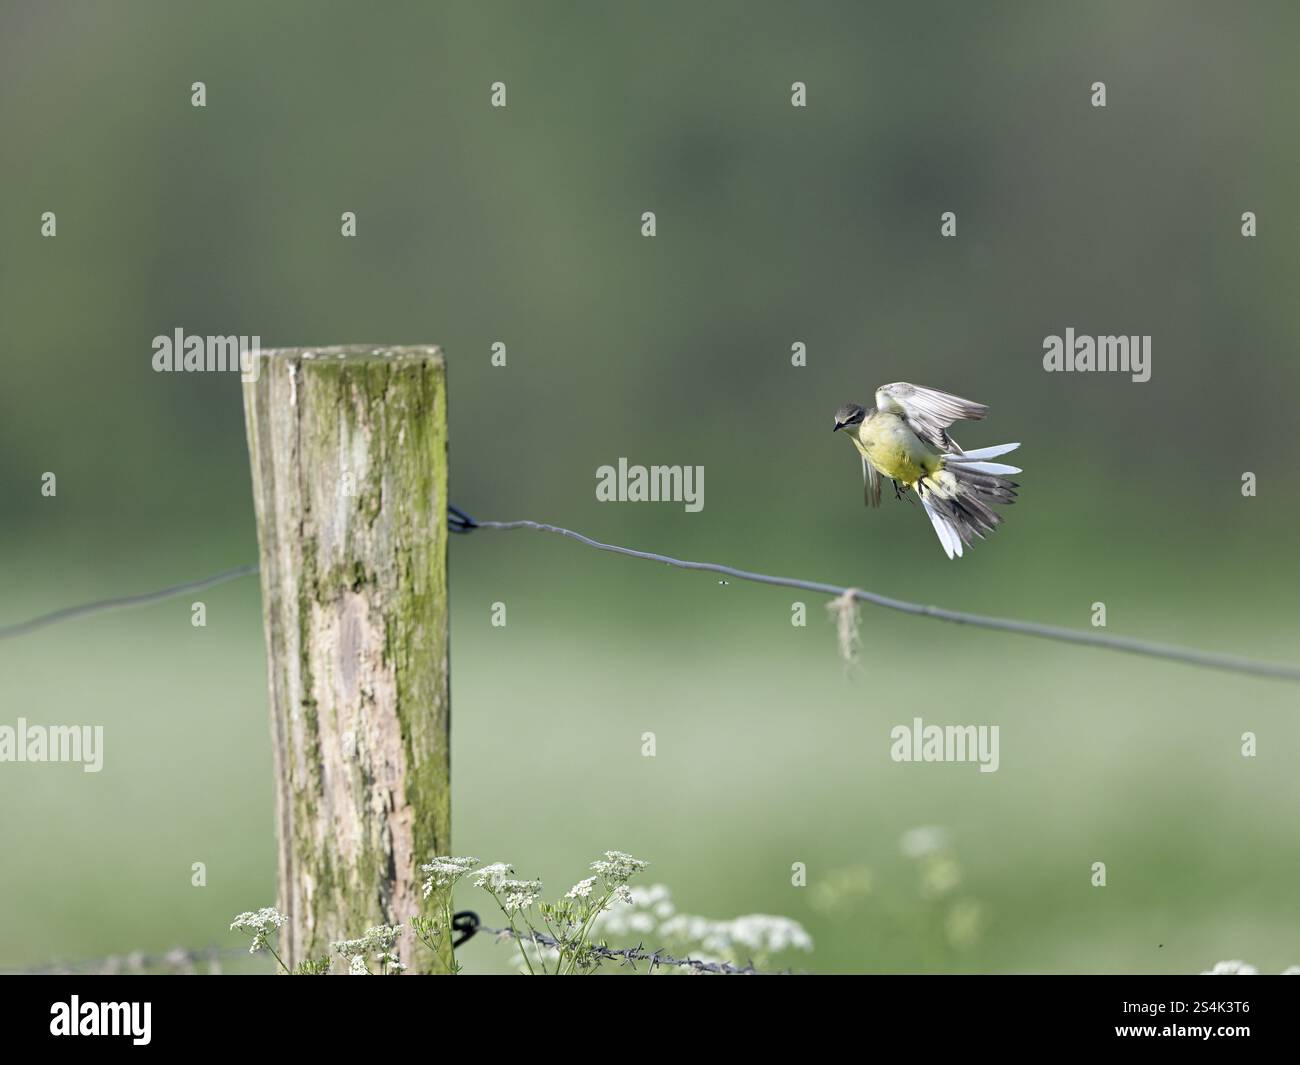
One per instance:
[(629, 956), (185, 962), (460, 522)]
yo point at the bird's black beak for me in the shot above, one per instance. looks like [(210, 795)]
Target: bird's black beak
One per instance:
[(838, 427)]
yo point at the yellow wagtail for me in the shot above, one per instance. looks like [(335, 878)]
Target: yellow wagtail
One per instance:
[(905, 438)]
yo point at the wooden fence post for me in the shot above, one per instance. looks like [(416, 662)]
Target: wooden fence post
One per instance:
[(348, 448)]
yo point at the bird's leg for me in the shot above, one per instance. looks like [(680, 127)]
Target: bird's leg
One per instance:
[(898, 492)]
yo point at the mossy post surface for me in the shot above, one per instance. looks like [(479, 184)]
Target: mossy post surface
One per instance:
[(349, 457)]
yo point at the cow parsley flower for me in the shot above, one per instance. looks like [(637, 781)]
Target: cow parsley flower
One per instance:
[(755, 934), (493, 877), (519, 894), (379, 938), (1232, 968), (647, 906), (261, 924), (582, 889), (444, 872), (617, 867)]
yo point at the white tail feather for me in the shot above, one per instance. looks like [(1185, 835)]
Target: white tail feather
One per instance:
[(987, 467), (947, 534), (982, 453)]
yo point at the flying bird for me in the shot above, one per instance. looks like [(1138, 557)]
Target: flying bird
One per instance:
[(905, 438)]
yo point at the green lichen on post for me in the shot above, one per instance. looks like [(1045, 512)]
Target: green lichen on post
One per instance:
[(348, 448)]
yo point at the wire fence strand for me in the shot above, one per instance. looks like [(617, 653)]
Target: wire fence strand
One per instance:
[(183, 961), (460, 522), (1171, 652), (126, 602)]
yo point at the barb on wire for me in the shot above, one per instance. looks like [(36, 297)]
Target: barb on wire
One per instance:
[(460, 522)]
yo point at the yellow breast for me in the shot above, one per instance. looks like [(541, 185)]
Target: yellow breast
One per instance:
[(893, 449)]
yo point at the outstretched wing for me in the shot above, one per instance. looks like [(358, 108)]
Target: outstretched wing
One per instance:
[(929, 412), (870, 484)]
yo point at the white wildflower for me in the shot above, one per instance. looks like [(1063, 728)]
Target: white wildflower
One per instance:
[(380, 938), (357, 966), (1291, 970), (582, 889), (519, 894), (445, 871), (493, 877), (755, 933), (648, 905), (261, 924), (617, 867), (1231, 968)]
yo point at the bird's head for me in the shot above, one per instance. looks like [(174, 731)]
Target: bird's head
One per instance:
[(849, 414)]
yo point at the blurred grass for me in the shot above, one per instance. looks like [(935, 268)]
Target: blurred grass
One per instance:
[(769, 753)]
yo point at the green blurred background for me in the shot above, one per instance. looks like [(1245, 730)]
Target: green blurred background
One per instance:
[(775, 225)]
